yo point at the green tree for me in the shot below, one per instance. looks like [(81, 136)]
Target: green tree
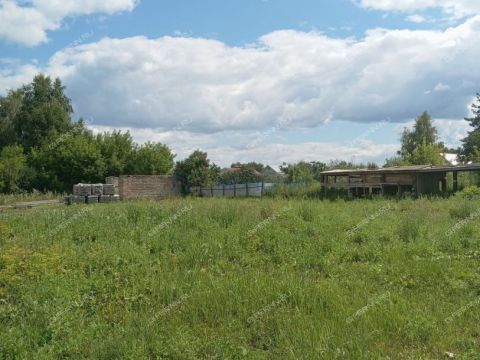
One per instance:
[(396, 161), (423, 131), (303, 171), (346, 165), (10, 106), (59, 167), (13, 164), (117, 149), (45, 112), (244, 174), (150, 159), (196, 170), (427, 154), (471, 143)]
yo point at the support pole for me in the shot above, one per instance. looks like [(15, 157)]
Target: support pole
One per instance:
[(455, 181)]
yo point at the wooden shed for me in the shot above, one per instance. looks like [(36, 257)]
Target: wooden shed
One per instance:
[(417, 180)]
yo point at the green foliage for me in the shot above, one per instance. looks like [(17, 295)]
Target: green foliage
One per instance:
[(9, 109), (13, 164), (151, 159), (347, 165), (303, 171), (69, 162), (427, 154), (420, 146), (45, 112), (423, 132), (471, 143), (196, 170), (470, 192), (297, 288), (245, 174), (116, 149), (396, 161)]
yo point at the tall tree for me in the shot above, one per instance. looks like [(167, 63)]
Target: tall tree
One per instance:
[(471, 143), (423, 130), (10, 106), (45, 111)]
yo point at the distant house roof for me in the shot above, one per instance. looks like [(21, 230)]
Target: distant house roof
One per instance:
[(404, 169), (268, 170)]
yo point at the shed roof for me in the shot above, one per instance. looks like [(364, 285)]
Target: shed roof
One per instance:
[(404, 169)]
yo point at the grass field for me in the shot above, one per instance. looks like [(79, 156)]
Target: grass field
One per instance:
[(242, 279)]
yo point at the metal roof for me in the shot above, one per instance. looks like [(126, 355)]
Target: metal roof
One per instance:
[(404, 169)]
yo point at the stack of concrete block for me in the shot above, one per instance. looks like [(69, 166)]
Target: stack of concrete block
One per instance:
[(97, 189), (92, 194), (74, 199), (92, 199), (82, 190), (108, 189), (104, 199)]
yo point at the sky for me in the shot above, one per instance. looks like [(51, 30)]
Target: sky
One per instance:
[(274, 81)]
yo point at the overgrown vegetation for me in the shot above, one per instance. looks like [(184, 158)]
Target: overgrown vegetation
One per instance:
[(242, 279)]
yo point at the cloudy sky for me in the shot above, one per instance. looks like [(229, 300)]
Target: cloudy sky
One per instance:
[(253, 80)]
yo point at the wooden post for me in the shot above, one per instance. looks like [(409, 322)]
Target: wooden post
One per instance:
[(247, 187), (234, 189), (263, 188), (455, 181), (444, 185)]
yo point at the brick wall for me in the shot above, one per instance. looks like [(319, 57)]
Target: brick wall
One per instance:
[(155, 187)]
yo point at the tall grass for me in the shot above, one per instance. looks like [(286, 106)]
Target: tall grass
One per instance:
[(267, 278)]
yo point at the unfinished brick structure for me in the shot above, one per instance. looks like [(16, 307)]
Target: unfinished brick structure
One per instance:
[(148, 186)]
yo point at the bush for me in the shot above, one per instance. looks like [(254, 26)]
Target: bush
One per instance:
[(470, 193)]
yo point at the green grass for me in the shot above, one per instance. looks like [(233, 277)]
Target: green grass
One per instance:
[(241, 279)]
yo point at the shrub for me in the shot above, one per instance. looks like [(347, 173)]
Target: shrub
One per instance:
[(470, 192)]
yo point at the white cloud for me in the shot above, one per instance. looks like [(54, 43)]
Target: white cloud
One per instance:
[(299, 78), (456, 8), (27, 22), (416, 18), (441, 87), (451, 132)]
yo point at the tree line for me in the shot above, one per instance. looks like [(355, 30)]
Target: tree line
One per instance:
[(43, 148)]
